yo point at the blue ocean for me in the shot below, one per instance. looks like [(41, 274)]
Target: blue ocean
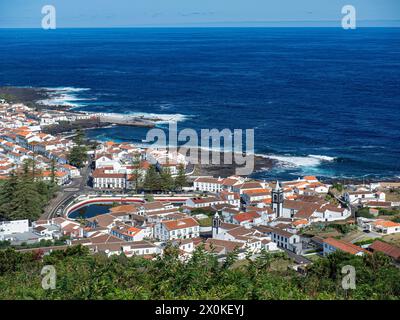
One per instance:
[(322, 101)]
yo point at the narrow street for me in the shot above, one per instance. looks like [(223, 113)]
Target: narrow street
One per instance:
[(76, 187)]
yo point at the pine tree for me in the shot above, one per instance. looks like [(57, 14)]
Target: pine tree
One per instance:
[(26, 202), (180, 180), (79, 137), (167, 182), (22, 196), (7, 191), (152, 179), (53, 173), (77, 156), (136, 173)]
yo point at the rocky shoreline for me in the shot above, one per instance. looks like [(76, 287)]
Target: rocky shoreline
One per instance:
[(31, 97), (225, 170), (28, 96)]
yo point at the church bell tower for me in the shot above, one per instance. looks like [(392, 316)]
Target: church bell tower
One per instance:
[(277, 200), (216, 224)]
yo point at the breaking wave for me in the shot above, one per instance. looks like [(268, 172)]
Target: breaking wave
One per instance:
[(300, 161), (161, 118), (65, 97)]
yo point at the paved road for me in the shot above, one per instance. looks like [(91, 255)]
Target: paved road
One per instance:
[(297, 258), (77, 186), (368, 235)]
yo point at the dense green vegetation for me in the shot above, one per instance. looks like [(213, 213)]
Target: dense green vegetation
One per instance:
[(393, 213), (338, 187), (207, 222), (7, 97), (24, 195), (364, 212), (163, 181), (342, 228), (318, 228), (367, 241), (389, 212), (84, 276), (205, 211), (42, 243), (180, 179), (78, 154), (136, 173)]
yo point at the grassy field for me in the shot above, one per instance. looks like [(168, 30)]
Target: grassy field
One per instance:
[(278, 264), (352, 235), (393, 196), (314, 257), (393, 239)]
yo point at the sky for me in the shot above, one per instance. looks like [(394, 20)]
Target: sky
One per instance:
[(181, 13)]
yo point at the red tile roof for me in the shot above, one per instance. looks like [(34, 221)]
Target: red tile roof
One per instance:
[(344, 246), (386, 248), (180, 224), (246, 216)]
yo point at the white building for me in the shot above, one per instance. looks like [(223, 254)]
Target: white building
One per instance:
[(177, 229), (208, 184), (330, 212), (17, 226), (363, 196), (386, 226), (109, 179), (286, 240), (204, 202)]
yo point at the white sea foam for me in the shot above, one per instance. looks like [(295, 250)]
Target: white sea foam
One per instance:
[(65, 89), (323, 158), (297, 161), (163, 118), (64, 96)]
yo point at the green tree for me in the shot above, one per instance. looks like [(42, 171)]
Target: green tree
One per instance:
[(166, 180), (180, 180), (136, 172), (23, 196), (149, 197), (79, 137), (26, 202), (152, 181), (78, 156), (7, 190)]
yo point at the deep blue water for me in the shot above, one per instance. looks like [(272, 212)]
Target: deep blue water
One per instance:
[(326, 92), (90, 211)]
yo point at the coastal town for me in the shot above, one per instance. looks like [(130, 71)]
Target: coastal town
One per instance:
[(305, 218)]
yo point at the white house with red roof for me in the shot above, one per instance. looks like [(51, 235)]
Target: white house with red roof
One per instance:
[(127, 232), (208, 184), (204, 202), (177, 229), (331, 245), (72, 171), (247, 218)]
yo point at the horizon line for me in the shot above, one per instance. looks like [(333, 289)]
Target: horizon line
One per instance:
[(204, 27), (366, 23)]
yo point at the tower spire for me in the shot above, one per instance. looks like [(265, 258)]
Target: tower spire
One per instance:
[(277, 200)]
